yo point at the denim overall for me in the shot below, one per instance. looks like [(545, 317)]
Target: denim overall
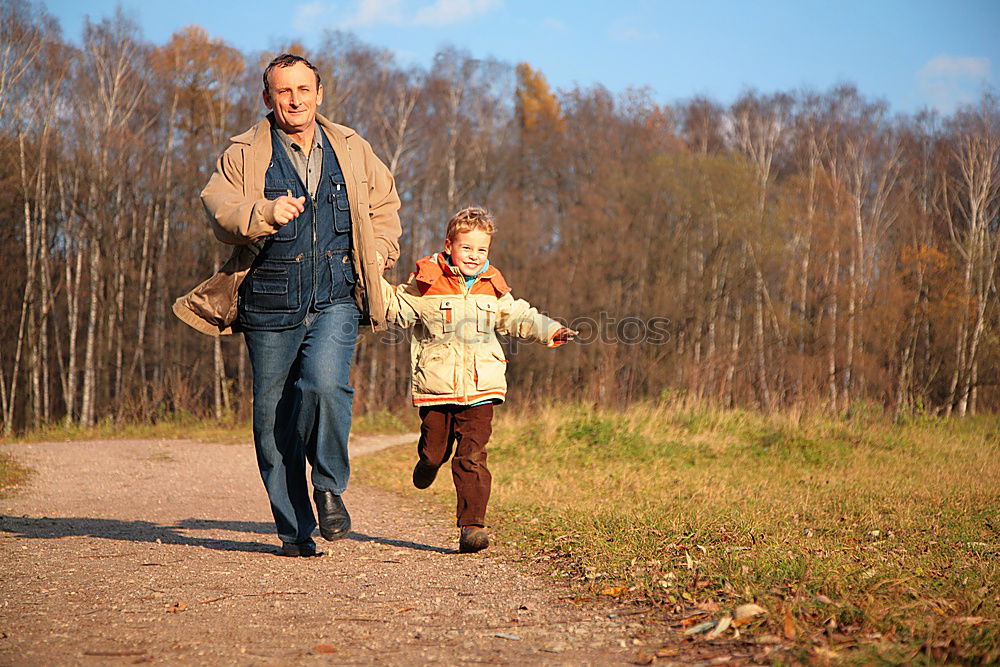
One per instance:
[(300, 323)]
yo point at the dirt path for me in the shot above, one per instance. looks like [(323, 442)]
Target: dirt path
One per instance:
[(118, 552)]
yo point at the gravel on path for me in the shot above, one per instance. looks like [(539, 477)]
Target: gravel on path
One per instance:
[(132, 551)]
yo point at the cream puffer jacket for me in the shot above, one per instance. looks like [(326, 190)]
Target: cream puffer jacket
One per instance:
[(455, 357)]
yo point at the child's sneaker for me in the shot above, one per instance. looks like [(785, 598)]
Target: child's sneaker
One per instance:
[(473, 539), (423, 475)]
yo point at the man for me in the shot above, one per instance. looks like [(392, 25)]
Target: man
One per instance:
[(313, 213)]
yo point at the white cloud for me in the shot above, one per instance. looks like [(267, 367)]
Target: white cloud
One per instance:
[(308, 15), (950, 81), (313, 16), (446, 12), (371, 12), (556, 26), (624, 30)]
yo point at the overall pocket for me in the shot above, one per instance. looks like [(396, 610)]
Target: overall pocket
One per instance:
[(289, 231), (341, 275), (341, 205), (274, 286)]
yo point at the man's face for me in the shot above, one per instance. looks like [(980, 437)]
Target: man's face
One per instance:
[(293, 96), (469, 251)]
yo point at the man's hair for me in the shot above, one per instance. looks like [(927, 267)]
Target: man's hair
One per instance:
[(468, 219), (287, 60)]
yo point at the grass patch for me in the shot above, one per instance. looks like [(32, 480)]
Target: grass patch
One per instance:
[(192, 427), (864, 539), (384, 422), (12, 475), (179, 426)]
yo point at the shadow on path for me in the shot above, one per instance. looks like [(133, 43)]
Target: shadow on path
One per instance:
[(402, 544), (46, 528), (265, 528), (49, 528)]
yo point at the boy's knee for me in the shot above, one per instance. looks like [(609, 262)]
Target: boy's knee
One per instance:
[(471, 461)]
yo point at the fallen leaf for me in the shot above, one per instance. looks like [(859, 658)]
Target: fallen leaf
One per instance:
[(970, 620), (692, 619), (115, 654), (323, 648), (789, 625), (823, 599), (747, 612), (643, 658), (613, 590), (513, 638), (701, 627), (709, 605), (177, 607), (722, 626)]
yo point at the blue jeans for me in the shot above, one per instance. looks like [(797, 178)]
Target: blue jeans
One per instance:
[(302, 401)]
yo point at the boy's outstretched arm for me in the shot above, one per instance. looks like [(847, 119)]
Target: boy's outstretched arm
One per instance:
[(401, 303), (517, 317)]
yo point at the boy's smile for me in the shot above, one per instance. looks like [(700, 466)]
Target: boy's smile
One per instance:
[(469, 251)]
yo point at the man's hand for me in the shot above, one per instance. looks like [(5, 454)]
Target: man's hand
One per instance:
[(287, 209), (563, 335)]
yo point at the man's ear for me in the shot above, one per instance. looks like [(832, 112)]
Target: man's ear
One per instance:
[(319, 95), (267, 99)]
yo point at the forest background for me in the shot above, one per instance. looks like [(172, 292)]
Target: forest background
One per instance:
[(806, 250)]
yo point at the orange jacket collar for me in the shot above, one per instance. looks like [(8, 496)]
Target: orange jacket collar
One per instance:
[(436, 276)]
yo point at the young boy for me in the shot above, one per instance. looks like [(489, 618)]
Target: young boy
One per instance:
[(459, 302)]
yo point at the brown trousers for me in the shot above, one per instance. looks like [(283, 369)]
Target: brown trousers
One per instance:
[(467, 429)]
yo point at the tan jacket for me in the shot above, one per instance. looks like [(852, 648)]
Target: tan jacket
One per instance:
[(242, 216), (455, 357)]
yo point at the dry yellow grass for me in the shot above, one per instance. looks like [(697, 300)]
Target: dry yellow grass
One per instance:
[(880, 540)]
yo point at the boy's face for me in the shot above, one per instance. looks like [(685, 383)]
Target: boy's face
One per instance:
[(468, 251)]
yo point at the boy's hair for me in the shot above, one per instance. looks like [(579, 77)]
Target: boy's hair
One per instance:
[(468, 219)]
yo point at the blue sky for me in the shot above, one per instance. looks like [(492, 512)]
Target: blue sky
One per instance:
[(913, 53)]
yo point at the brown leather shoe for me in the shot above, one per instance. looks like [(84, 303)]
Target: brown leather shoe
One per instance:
[(473, 539), (334, 521), (423, 475)]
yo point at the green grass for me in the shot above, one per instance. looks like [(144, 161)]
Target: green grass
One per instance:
[(191, 427), (873, 540), (176, 427), (382, 422), (11, 475)]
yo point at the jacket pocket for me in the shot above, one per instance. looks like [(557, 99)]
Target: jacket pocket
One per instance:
[(486, 316), (491, 371), (290, 230), (446, 316), (273, 287), (435, 370)]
